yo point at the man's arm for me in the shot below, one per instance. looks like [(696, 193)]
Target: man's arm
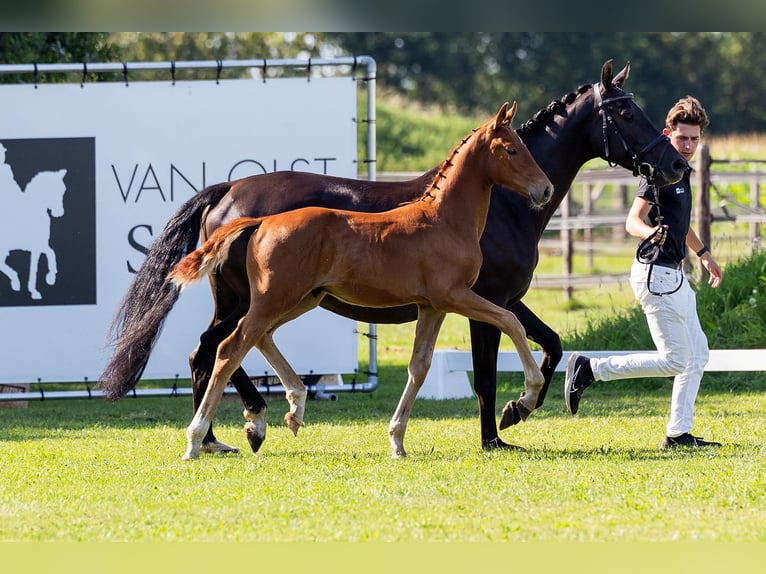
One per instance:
[(694, 243)]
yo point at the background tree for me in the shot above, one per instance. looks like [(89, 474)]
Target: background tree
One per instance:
[(464, 73)]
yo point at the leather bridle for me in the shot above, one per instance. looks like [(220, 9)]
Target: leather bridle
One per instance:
[(640, 166)]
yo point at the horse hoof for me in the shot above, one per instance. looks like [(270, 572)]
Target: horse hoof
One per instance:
[(497, 444), (254, 437), (293, 423), (190, 455), (399, 454), (255, 428), (511, 415), (214, 447)]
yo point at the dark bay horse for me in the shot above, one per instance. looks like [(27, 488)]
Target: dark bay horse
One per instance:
[(425, 253), (599, 120)]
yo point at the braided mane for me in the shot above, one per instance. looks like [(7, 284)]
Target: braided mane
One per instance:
[(545, 115), (444, 167)]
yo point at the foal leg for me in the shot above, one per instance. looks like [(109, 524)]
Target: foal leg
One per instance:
[(229, 356), (295, 390), (426, 331), (201, 362), (471, 305)]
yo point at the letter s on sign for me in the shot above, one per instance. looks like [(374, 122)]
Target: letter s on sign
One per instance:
[(135, 244)]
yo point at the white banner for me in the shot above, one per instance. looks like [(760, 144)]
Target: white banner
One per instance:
[(90, 175)]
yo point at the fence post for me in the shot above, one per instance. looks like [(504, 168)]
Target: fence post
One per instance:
[(703, 200), (755, 203), (567, 249), (587, 209)]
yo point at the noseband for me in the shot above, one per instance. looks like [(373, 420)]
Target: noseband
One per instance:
[(640, 167)]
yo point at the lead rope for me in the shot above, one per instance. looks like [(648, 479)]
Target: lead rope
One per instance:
[(648, 251)]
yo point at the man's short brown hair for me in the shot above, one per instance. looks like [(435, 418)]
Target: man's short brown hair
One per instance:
[(687, 110)]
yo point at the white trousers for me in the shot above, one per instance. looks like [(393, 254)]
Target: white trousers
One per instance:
[(682, 349)]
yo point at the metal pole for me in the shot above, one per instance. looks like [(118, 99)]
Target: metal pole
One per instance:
[(372, 152)]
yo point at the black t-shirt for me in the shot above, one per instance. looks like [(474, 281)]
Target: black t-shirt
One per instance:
[(675, 202)]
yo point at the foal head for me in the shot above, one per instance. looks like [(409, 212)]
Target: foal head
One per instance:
[(510, 163)]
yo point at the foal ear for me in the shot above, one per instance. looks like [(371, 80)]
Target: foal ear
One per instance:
[(510, 113), (500, 117), (620, 78), (607, 73)]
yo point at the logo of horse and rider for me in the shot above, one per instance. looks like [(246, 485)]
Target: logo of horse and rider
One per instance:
[(40, 201)]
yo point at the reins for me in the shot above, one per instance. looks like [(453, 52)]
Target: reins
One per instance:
[(648, 251)]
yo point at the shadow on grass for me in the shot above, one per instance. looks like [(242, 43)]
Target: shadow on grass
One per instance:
[(602, 400)]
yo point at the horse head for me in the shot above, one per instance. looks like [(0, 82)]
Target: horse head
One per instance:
[(515, 167), (625, 134), (48, 188)]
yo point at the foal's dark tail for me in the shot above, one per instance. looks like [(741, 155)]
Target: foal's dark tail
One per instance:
[(151, 295)]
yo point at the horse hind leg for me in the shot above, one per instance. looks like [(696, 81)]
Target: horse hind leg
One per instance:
[(230, 354), (201, 363), (426, 331), (295, 390), (11, 273)]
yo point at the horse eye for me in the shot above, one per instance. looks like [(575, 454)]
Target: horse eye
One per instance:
[(511, 150), (627, 114)]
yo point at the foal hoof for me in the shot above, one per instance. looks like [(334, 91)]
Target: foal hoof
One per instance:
[(255, 428), (293, 423), (497, 444), (513, 413)]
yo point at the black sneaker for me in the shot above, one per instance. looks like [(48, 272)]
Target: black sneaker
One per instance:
[(578, 378), (686, 440)]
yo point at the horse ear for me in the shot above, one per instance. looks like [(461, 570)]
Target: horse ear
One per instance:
[(620, 78), (510, 113), (500, 117), (62, 173), (607, 73)]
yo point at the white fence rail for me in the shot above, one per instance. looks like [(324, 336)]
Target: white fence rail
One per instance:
[(448, 376)]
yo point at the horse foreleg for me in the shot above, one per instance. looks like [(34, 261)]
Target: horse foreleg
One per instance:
[(295, 390), (50, 276), (471, 305), (34, 262), (534, 380), (426, 330), (548, 340), (485, 343)]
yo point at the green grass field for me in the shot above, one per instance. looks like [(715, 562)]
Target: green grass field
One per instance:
[(83, 470), (93, 471)]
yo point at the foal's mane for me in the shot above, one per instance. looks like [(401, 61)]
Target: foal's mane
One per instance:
[(445, 166), (544, 116)]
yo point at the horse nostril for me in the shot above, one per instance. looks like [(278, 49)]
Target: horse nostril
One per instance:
[(679, 165)]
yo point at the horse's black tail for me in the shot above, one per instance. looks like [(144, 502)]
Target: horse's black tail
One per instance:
[(151, 296)]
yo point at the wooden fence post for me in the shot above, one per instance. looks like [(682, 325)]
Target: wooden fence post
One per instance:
[(755, 204), (703, 218), (567, 247)]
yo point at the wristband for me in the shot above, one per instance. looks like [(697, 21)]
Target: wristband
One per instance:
[(702, 251)]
